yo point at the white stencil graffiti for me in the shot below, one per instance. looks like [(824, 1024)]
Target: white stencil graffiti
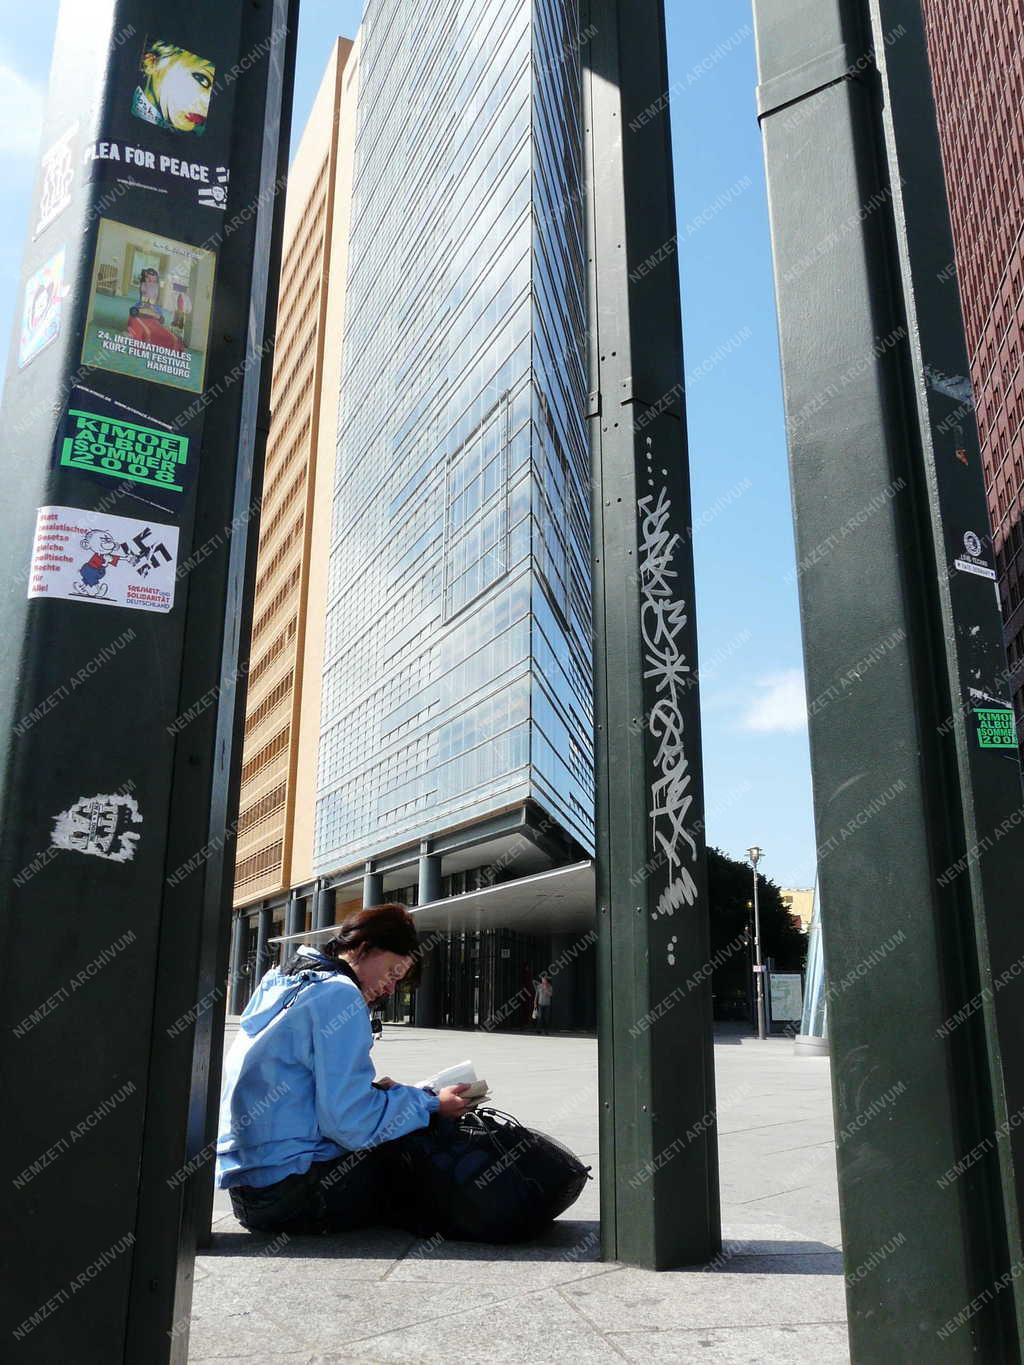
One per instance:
[(663, 620), (58, 177), (99, 825)]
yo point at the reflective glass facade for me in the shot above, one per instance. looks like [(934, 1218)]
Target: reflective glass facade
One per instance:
[(457, 675)]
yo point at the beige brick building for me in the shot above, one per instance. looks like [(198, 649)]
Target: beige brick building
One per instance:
[(275, 834), (799, 901)]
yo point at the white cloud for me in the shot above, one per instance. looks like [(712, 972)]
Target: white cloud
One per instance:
[(21, 113), (781, 705)]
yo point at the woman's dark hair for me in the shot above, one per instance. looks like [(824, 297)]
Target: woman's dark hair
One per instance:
[(389, 927)]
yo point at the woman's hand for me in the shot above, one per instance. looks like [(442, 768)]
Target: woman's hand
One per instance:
[(452, 1104)]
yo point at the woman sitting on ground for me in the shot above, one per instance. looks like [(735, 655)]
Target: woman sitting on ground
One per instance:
[(304, 1128)]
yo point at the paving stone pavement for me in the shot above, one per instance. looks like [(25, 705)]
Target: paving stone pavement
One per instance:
[(773, 1297)]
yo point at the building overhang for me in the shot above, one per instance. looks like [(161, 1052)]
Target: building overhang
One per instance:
[(557, 901), (560, 900)]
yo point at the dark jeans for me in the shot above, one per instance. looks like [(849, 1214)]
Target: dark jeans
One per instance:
[(349, 1192), (543, 1018)]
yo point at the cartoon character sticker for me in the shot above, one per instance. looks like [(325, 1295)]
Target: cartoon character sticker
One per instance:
[(41, 315), (94, 570), (118, 561), (174, 88)]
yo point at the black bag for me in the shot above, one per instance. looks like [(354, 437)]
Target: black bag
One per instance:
[(481, 1178)]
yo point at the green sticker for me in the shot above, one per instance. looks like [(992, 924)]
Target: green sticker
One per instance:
[(996, 729), (124, 450)]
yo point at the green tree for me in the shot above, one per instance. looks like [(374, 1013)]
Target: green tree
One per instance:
[(731, 896)]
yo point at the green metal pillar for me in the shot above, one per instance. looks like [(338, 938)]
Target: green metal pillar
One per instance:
[(919, 813), (659, 1172), (136, 412)]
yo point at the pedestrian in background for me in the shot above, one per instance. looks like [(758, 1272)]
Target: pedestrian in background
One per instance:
[(542, 1003)]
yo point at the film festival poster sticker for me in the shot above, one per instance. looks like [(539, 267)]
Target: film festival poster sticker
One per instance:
[(42, 309), (149, 307), (101, 436), (82, 556)]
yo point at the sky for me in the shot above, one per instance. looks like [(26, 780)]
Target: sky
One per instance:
[(756, 765)]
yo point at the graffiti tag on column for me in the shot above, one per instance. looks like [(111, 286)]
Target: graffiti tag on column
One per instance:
[(663, 618)]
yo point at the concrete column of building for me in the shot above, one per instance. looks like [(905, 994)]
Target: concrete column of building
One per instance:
[(561, 969), (587, 983), (236, 976), (264, 928), (295, 916), (373, 887), (428, 991), (430, 875), (323, 913)]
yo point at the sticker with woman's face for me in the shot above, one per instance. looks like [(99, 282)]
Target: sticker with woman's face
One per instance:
[(174, 88)]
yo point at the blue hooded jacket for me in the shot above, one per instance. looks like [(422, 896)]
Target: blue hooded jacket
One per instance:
[(297, 1080)]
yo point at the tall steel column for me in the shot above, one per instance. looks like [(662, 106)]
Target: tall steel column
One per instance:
[(918, 802), (149, 294), (659, 1173)]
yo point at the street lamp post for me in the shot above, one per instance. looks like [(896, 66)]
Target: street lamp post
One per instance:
[(754, 854)]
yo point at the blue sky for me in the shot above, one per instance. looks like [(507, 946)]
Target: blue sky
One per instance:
[(755, 736)]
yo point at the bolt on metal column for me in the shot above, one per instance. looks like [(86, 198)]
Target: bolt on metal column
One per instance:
[(918, 813), (659, 1171)]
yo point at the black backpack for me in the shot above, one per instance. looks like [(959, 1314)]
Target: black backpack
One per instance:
[(481, 1178)]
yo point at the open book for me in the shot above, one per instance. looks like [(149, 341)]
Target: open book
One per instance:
[(463, 1073)]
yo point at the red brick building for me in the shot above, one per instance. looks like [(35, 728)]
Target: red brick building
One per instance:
[(977, 58)]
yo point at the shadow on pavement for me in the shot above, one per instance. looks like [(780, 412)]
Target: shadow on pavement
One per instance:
[(569, 1241)]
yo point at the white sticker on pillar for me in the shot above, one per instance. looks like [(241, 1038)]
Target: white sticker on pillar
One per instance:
[(58, 178), (969, 566), (94, 557), (99, 825)]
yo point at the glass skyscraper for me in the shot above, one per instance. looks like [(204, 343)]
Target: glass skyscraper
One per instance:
[(457, 657)]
